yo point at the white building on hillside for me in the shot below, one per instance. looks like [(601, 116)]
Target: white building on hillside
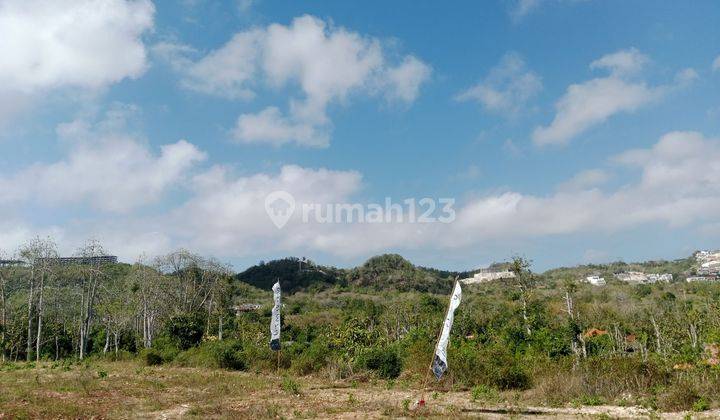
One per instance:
[(595, 280), (637, 277), (487, 275)]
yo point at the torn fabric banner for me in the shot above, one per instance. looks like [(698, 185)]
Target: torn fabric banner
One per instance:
[(439, 364), (275, 320)]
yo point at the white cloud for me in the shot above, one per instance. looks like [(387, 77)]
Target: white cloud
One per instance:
[(270, 126), (227, 72), (49, 45), (679, 185), (622, 63), (523, 8), (594, 101), (328, 64), (229, 212), (589, 178), (105, 168), (507, 87), (404, 81), (716, 63)]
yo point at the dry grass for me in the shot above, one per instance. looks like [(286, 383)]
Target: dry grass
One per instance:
[(130, 390)]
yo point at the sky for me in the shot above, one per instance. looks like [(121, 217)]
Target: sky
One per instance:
[(565, 131)]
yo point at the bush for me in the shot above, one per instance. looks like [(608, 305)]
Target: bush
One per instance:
[(152, 357), (680, 396), (385, 361), (484, 393), (185, 331), (512, 376), (312, 359), (290, 385), (226, 354), (229, 355)]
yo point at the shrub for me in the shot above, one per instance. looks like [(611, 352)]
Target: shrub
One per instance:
[(185, 331), (702, 404), (484, 393), (312, 359), (152, 357), (228, 355), (385, 361), (290, 385), (512, 376)]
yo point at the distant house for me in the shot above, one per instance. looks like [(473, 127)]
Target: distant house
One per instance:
[(692, 279), (708, 263), (664, 277), (486, 275), (8, 263), (632, 277), (637, 277), (97, 260), (595, 280)]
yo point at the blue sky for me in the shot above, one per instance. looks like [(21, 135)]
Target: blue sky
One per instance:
[(566, 131)]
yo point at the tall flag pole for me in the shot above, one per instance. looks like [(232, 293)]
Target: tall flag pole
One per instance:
[(275, 322), (439, 363)]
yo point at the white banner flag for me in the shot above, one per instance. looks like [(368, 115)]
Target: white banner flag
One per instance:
[(439, 364), (275, 320)]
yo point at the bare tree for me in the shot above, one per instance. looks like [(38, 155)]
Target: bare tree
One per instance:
[(146, 281), (41, 254), (91, 273), (524, 281)]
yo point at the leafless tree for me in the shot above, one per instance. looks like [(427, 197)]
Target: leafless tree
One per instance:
[(91, 274), (41, 254)]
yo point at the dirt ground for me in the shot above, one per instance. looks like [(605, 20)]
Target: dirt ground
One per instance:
[(129, 390)]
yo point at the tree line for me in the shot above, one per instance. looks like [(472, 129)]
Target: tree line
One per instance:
[(52, 310)]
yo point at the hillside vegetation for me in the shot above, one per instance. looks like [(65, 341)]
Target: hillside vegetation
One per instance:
[(546, 338)]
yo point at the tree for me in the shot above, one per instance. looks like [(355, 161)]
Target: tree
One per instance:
[(42, 256), (525, 282), (90, 273)]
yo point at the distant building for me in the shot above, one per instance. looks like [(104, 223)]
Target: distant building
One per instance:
[(631, 277), (656, 278), (595, 280), (692, 279), (637, 277), (8, 263), (99, 260), (708, 263), (486, 275)]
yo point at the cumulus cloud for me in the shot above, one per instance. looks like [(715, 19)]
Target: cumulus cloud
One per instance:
[(522, 8), (622, 63), (107, 169), (270, 126), (677, 185), (328, 64), (592, 102), (228, 212), (49, 45), (590, 178), (670, 190), (507, 87)]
